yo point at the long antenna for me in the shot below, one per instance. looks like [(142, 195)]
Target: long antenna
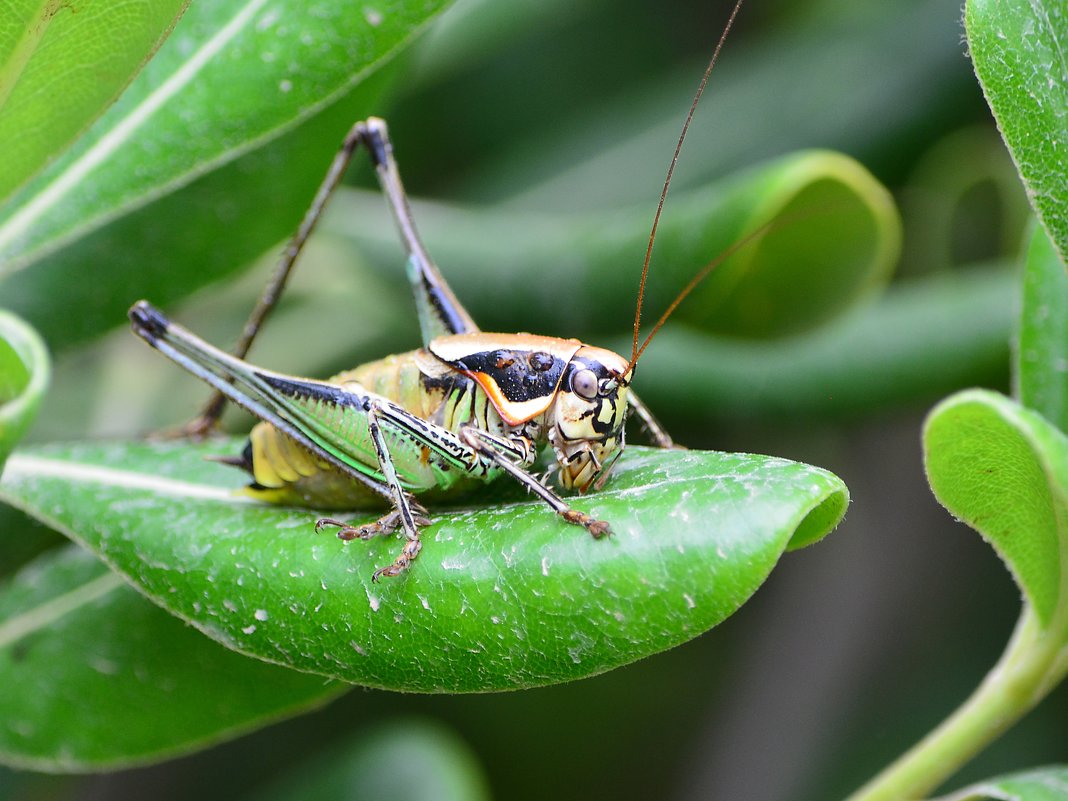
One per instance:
[(667, 181), (776, 223)]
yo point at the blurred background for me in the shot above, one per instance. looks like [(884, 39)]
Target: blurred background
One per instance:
[(527, 111)]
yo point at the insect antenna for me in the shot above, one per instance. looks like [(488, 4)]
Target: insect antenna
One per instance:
[(635, 350), (703, 274)]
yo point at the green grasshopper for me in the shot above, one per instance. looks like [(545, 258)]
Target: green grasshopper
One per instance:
[(465, 409)]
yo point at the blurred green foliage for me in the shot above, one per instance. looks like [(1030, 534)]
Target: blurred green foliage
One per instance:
[(568, 109)]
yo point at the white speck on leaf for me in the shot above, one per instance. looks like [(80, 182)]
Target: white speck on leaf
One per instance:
[(373, 16), (104, 666), (249, 629), (269, 18), (582, 644), (690, 602), (260, 614), (229, 605)]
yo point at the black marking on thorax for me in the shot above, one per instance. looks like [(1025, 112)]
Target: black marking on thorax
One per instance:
[(520, 375)]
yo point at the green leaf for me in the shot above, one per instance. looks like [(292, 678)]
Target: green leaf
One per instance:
[(56, 55), (186, 239), (94, 676), (1018, 49), (234, 75), (834, 237), (1042, 343), (24, 371), (1040, 784), (1003, 470), (405, 760), (504, 595)]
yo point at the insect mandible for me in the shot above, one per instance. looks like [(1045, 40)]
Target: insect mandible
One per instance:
[(466, 408)]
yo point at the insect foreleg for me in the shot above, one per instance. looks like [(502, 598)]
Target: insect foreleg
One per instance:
[(488, 446), (661, 438)]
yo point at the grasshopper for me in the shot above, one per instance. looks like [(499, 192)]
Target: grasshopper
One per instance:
[(465, 409)]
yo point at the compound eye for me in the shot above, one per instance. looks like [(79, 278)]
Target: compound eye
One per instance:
[(584, 384)]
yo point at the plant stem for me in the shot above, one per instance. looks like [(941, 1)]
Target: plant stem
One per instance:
[(1026, 672)]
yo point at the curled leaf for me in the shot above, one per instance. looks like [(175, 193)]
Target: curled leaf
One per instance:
[(24, 372), (503, 596), (1003, 470), (828, 233)]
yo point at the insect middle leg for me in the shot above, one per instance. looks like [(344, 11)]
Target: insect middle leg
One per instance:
[(659, 435)]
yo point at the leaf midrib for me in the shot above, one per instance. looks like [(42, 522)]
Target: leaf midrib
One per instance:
[(54, 192), (36, 466), (45, 614)]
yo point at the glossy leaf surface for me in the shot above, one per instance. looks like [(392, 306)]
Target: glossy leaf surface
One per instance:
[(234, 75), (24, 372), (503, 596), (242, 111), (1018, 49), (93, 675), (75, 57)]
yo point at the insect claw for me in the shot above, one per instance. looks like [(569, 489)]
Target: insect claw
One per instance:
[(597, 528), (401, 563)]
